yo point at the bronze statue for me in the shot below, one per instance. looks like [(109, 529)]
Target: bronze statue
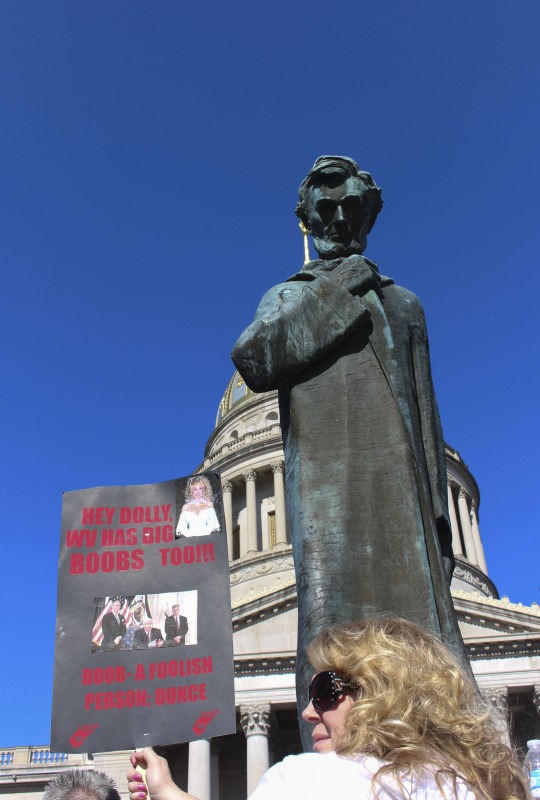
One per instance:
[(364, 453)]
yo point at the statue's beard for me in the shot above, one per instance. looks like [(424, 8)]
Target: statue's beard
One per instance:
[(327, 249)]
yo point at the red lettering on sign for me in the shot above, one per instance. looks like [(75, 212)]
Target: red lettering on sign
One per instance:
[(102, 701), (180, 694), (97, 516), (81, 538), (104, 675), (158, 534), (145, 514), (187, 554), (109, 561)]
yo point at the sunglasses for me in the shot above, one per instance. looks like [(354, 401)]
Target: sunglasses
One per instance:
[(326, 688)]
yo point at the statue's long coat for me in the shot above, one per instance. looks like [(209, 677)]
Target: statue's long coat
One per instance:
[(364, 454)]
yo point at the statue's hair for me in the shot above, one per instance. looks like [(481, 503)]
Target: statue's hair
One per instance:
[(338, 167), (193, 481), (78, 784), (416, 707)]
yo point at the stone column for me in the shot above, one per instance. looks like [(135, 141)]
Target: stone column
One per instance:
[(470, 552), (214, 769), (255, 721), (499, 700), (279, 495), (199, 775), (251, 505), (477, 539), (226, 488), (456, 540)]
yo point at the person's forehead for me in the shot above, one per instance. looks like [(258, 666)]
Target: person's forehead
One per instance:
[(337, 189)]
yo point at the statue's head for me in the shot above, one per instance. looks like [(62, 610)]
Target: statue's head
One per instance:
[(338, 204)]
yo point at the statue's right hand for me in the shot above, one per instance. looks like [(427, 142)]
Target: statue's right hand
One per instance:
[(356, 275)]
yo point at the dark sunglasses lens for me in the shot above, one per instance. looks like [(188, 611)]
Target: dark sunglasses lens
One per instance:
[(322, 691)]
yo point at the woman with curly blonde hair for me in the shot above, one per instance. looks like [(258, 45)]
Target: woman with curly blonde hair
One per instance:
[(415, 710), (394, 717)]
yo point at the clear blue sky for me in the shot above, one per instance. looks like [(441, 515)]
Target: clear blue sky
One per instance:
[(151, 154)]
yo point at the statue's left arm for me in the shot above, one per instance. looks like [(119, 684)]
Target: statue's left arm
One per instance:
[(432, 436)]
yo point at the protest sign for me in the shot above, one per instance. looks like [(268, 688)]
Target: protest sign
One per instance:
[(143, 650)]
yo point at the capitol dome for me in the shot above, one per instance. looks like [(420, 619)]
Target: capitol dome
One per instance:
[(237, 392)]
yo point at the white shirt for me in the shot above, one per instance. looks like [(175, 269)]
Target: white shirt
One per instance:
[(317, 776), (201, 524)]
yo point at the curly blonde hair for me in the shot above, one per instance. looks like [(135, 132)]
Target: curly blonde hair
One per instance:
[(194, 481), (416, 707)]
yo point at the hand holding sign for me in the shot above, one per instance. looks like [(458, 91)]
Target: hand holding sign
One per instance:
[(159, 783)]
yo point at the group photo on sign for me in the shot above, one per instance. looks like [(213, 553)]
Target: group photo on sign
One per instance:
[(137, 622)]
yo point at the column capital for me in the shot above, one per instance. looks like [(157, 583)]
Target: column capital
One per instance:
[(250, 475), (226, 486), (474, 506), (256, 719), (279, 466), (463, 493), (498, 697)]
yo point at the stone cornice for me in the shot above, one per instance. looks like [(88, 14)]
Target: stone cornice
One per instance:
[(504, 647), (475, 577), (259, 451), (266, 591), (262, 564), (496, 648), (504, 603), (265, 604), (276, 665), (449, 451)]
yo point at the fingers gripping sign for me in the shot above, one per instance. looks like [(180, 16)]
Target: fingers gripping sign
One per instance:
[(150, 777)]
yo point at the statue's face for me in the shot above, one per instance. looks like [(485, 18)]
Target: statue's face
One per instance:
[(338, 214)]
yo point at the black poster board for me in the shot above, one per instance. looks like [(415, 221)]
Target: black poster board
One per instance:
[(129, 554)]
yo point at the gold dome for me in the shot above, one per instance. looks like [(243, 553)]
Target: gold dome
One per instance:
[(236, 393)]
